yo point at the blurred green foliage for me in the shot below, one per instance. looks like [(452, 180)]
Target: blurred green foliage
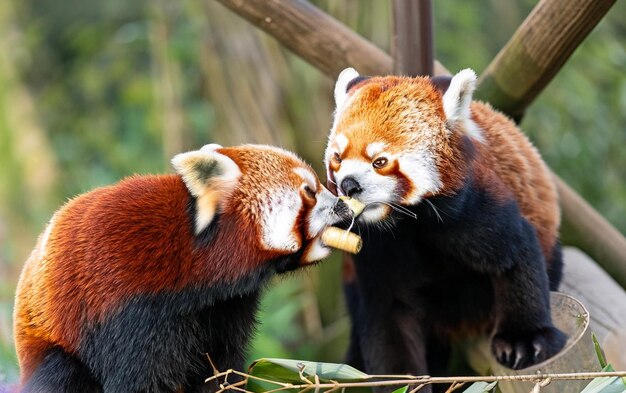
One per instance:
[(91, 92)]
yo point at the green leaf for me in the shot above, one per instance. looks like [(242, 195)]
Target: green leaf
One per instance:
[(288, 371), (403, 389), (606, 384), (480, 387), (599, 352)]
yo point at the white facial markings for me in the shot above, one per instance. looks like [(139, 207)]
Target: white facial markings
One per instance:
[(316, 251), (279, 216), (375, 148), (416, 156), (322, 214), (279, 219), (308, 177), (419, 166), (341, 142), (337, 143), (376, 187), (375, 213)]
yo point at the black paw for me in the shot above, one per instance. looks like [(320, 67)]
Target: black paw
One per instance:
[(521, 349)]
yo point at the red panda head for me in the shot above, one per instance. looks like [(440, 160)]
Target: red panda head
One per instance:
[(395, 140), (266, 188)]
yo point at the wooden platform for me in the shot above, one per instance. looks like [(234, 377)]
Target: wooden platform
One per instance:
[(605, 300)]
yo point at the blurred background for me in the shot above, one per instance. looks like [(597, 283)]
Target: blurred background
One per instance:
[(91, 92)]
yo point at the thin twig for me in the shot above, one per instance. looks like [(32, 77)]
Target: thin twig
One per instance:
[(541, 380), (301, 368), (541, 384), (215, 370), (546, 382), (455, 386), (418, 388), (234, 386)]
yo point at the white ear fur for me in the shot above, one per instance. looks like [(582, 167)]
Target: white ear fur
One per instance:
[(210, 148), (345, 77), (458, 97), (209, 177)]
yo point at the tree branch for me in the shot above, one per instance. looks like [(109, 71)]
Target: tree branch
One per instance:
[(315, 36), (537, 51)]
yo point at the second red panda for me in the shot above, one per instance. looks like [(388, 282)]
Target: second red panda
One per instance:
[(479, 249), (132, 286)]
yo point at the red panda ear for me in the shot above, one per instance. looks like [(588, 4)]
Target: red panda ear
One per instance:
[(209, 177), (341, 86), (457, 99), (458, 96)]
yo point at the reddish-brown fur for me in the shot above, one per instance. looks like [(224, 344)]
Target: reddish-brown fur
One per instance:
[(518, 164), (137, 238), (96, 275)]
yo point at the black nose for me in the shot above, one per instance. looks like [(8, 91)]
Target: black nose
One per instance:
[(350, 186), (342, 210)]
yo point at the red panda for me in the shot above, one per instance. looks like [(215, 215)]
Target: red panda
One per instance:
[(131, 286), (475, 216)]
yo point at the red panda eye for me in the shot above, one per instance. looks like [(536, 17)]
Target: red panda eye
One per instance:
[(309, 191), (336, 158), (379, 162)]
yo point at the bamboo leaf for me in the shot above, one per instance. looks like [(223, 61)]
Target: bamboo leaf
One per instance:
[(403, 389), (293, 371), (480, 387), (599, 352), (606, 384)]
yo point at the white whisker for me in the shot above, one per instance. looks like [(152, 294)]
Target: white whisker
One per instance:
[(435, 210), (351, 224), (396, 207), (407, 211), (358, 228)]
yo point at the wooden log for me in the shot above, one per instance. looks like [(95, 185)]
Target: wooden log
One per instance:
[(537, 51), (412, 41), (603, 297), (315, 36), (330, 46), (592, 233)]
